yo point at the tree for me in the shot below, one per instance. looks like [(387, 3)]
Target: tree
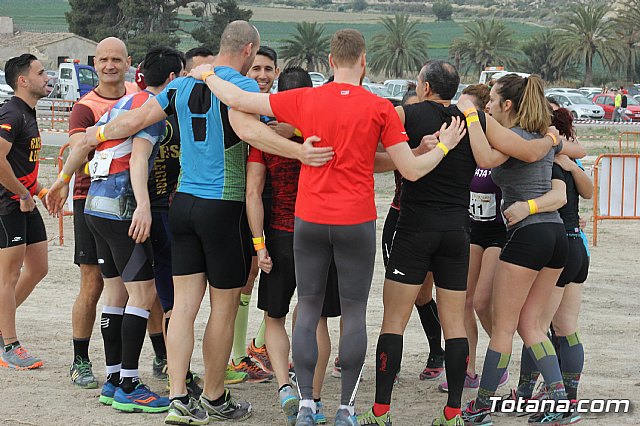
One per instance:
[(308, 47), (213, 17), (485, 43), (628, 21), (584, 33), (540, 51), (443, 10), (93, 19), (401, 49), (359, 5)]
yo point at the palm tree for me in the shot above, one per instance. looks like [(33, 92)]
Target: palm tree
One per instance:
[(401, 49), (485, 43), (540, 51), (308, 47), (628, 30), (586, 32)]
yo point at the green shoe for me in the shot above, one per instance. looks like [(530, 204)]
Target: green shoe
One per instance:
[(232, 377), (82, 374), (160, 368), (442, 421), (370, 419)]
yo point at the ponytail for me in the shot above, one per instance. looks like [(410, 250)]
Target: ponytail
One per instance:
[(529, 102)]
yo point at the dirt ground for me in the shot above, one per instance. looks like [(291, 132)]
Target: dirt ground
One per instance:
[(610, 329)]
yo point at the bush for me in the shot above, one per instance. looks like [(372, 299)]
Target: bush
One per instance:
[(443, 10), (359, 5)]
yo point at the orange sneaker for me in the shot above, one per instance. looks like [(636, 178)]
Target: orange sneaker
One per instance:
[(260, 355), (254, 371)]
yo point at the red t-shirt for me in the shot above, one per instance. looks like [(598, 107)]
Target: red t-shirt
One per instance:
[(352, 121)]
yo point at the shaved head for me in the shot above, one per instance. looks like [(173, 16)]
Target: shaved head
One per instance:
[(236, 36), (112, 44)]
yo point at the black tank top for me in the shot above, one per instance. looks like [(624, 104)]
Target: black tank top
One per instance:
[(568, 212), (438, 201)]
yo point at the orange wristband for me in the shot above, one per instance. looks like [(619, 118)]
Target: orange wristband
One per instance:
[(65, 177), (100, 134), (259, 247), (470, 111), (42, 193), (553, 137), (206, 75)]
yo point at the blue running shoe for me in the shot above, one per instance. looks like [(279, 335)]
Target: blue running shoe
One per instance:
[(141, 400), (344, 418), (106, 396), (289, 403), (319, 416)]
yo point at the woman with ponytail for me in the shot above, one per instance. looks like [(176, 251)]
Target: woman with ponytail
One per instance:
[(536, 249)]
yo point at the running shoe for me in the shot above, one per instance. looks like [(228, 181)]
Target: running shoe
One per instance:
[(469, 383), (189, 414), (473, 416), (434, 367), (370, 419), (160, 368), (229, 410), (546, 419), (337, 370), (344, 418), (107, 393), (255, 372), (194, 385), (305, 417), (511, 396), (232, 377), (260, 355), (289, 403), (292, 375), (504, 379), (319, 416), (442, 421), (18, 358), (141, 400), (541, 392), (82, 374)]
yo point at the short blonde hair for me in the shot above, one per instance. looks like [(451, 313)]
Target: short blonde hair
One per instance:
[(347, 46)]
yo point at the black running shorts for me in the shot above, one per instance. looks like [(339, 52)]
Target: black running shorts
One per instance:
[(277, 287), (445, 253), (488, 235), (210, 236), (577, 268), (388, 231), (85, 243), (118, 253), (537, 246), (21, 228), (161, 243)]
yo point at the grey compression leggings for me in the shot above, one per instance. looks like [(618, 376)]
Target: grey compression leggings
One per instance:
[(354, 248)]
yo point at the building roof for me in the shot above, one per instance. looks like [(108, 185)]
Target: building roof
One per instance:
[(28, 39)]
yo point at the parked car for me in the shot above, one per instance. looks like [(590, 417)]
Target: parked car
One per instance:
[(317, 78), (579, 106), (53, 78), (587, 91), (455, 98), (563, 90), (606, 101), (6, 92), (381, 90), (637, 98), (397, 88)]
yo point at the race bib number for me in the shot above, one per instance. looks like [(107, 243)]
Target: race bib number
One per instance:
[(99, 166), (482, 207)]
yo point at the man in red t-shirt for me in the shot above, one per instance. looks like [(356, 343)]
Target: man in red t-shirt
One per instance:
[(335, 207)]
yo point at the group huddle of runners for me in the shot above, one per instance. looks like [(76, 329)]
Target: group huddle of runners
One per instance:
[(198, 177)]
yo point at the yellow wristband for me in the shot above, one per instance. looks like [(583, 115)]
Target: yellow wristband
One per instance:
[(470, 111), (259, 247), (206, 75), (258, 240), (472, 119), (42, 193), (100, 134), (298, 133), (533, 207), (553, 138), (443, 147), (64, 177)]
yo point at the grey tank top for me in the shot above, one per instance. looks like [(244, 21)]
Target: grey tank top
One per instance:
[(520, 181)]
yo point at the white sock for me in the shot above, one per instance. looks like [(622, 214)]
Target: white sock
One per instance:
[(307, 403), (350, 408)]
